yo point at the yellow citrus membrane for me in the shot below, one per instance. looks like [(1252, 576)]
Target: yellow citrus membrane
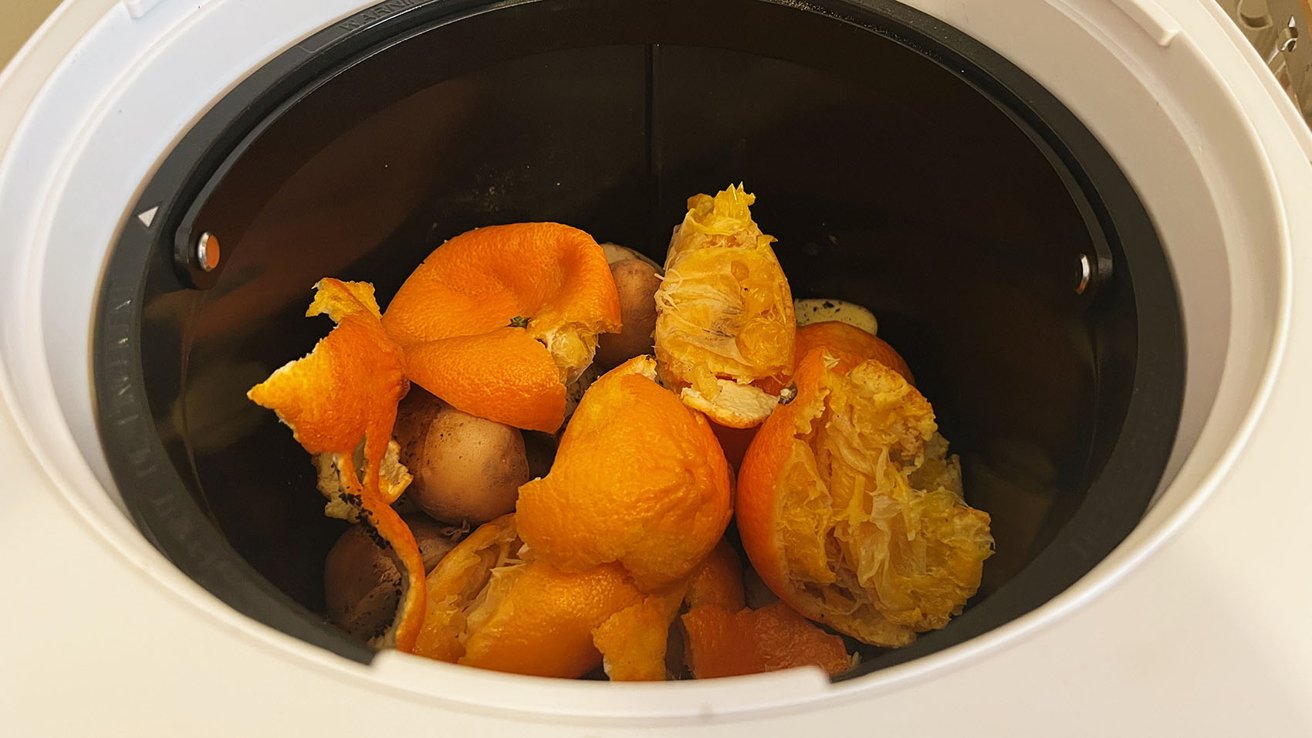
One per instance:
[(724, 310)]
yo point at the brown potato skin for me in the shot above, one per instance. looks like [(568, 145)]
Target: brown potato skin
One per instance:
[(362, 581), (637, 282), (465, 468)]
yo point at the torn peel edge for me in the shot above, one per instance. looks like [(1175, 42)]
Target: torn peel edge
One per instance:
[(633, 641), (734, 405), (312, 397), (379, 516)]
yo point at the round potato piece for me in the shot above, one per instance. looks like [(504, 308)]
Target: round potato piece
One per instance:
[(637, 281), (615, 252), (362, 581), (465, 468), (819, 310)]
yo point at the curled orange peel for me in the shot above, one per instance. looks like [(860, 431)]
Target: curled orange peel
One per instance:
[(498, 320), (342, 396)]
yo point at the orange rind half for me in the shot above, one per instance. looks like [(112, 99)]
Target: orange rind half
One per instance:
[(341, 397), (850, 346), (724, 312), (852, 512), (492, 606), (638, 479), (498, 320)]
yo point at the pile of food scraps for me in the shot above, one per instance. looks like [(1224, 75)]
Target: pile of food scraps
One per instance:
[(542, 441)]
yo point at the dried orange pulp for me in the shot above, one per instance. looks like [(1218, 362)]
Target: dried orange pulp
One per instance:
[(638, 479), (496, 321), (848, 344), (723, 642), (342, 395), (851, 510), (490, 605), (724, 312)]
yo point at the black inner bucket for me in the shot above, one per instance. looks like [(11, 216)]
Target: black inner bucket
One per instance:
[(900, 164)]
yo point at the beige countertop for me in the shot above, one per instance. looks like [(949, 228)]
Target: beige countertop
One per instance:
[(18, 19)]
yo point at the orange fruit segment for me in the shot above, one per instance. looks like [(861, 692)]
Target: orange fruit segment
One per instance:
[(492, 607), (852, 512), (522, 303), (341, 396), (724, 312), (638, 479), (723, 642)]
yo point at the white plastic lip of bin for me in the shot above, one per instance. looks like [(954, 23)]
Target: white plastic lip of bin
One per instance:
[(97, 100)]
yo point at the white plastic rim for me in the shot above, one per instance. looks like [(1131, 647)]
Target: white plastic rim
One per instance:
[(93, 105)]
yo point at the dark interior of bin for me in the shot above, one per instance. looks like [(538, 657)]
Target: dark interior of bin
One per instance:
[(900, 165)]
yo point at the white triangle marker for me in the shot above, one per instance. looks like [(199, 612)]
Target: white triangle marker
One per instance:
[(148, 216)]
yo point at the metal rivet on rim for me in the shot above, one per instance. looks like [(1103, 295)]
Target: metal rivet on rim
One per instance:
[(1085, 274), (207, 252), (1289, 37)]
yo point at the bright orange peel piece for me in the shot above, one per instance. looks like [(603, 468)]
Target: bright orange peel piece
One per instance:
[(639, 479), (493, 607), (458, 314), (343, 395), (632, 642), (721, 642), (718, 580)]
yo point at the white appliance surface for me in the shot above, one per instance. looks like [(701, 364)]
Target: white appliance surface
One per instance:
[(1200, 624)]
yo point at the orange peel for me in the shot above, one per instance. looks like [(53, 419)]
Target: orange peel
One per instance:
[(722, 642), (718, 580), (633, 641), (724, 312), (639, 479), (496, 321), (850, 346), (342, 396), (491, 606), (852, 512)]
